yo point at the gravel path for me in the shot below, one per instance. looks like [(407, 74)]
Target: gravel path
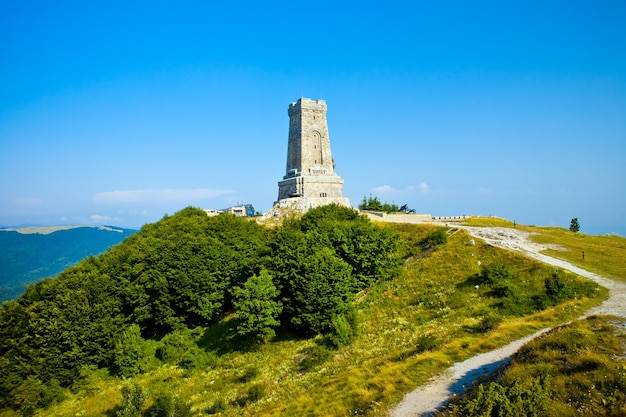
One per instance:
[(425, 400)]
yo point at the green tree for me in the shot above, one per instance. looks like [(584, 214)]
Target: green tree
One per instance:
[(180, 348), (33, 394), (374, 204), (344, 329), (370, 250), (323, 259), (171, 274), (574, 226), (165, 405), (131, 352), (178, 271), (257, 306), (322, 289), (133, 399)]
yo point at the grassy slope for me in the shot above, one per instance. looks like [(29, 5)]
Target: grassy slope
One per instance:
[(604, 254), (585, 368), (412, 328)]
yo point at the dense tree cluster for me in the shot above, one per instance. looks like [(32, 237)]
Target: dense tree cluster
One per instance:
[(136, 303), (322, 260), (374, 204)]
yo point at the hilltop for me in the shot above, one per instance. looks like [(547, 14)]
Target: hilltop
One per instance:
[(327, 314)]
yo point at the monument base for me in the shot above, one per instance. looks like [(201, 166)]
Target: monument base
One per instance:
[(297, 206), (314, 187)]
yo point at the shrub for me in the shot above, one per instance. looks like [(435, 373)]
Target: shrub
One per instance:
[(219, 406), (248, 375), (254, 394), (488, 323), (132, 353), (313, 357), (324, 289), (344, 329), (167, 406), (133, 398), (435, 238), (515, 305), (494, 274), (426, 342), (32, 394), (541, 301), (505, 289), (556, 288), (511, 401), (89, 379), (180, 348)]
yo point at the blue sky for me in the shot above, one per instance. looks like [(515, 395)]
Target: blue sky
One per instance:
[(119, 112)]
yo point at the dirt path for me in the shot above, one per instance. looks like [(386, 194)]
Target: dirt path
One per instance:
[(426, 399)]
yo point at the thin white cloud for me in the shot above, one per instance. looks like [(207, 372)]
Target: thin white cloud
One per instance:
[(98, 218), (152, 196), (383, 189), (133, 212), (387, 189), (484, 190)]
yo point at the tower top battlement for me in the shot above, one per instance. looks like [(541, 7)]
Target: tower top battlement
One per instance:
[(308, 104)]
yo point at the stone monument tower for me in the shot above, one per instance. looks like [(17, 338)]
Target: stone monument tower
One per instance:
[(310, 169)]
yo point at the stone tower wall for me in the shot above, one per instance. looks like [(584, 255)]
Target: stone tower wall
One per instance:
[(308, 151), (310, 167)]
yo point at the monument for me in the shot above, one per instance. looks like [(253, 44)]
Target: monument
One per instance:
[(310, 179), (310, 170)]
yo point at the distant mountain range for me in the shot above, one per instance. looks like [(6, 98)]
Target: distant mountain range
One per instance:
[(28, 254)]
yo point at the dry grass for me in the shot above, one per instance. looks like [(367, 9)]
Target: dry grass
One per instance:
[(490, 221), (583, 363), (603, 254)]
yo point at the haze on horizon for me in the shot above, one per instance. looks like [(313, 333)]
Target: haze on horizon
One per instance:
[(118, 113)]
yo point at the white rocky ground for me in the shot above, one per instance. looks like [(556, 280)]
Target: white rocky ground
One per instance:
[(426, 399), (285, 208), (295, 206)]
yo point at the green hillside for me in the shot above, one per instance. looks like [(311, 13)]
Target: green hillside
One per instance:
[(327, 315), (29, 254), (574, 370)]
